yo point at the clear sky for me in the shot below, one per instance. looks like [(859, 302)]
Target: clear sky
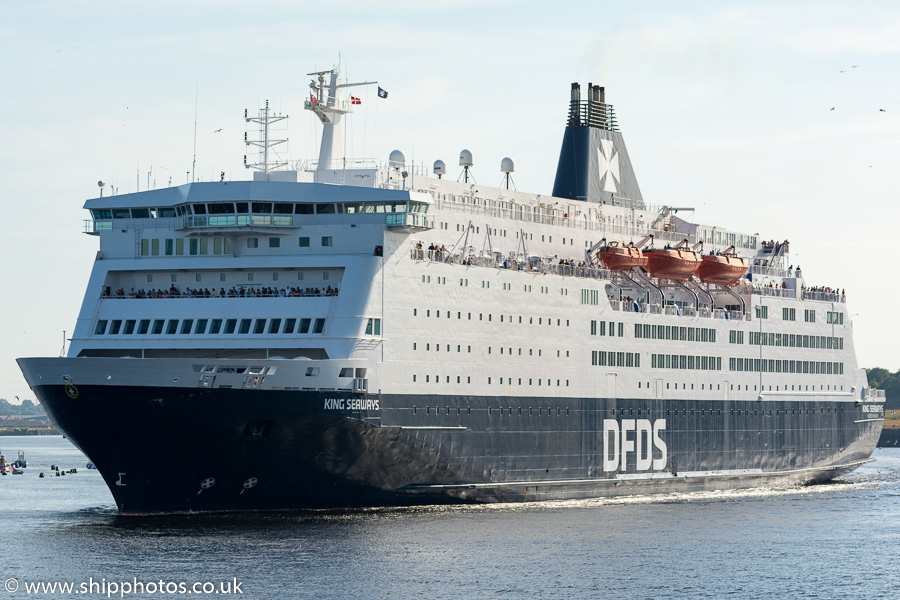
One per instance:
[(725, 106)]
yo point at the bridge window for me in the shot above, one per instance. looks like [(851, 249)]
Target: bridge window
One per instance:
[(221, 208), (304, 325)]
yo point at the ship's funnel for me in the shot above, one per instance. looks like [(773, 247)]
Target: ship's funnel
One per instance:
[(593, 163)]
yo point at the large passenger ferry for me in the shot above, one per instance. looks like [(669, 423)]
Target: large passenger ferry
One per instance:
[(355, 334)]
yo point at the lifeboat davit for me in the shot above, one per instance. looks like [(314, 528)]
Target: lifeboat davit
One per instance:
[(622, 258), (722, 269), (672, 263)]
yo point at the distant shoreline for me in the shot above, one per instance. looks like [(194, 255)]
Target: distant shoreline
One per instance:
[(8, 431), (28, 425)]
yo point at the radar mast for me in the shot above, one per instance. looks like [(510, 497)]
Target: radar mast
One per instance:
[(324, 101), (264, 143)]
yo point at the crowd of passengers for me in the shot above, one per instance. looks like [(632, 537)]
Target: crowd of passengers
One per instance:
[(438, 252), (819, 289), (265, 292), (775, 247)]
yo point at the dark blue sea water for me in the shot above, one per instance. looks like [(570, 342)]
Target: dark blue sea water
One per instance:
[(839, 540)]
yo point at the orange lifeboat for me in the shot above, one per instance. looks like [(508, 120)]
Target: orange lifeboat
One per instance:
[(722, 269), (622, 258), (672, 263)]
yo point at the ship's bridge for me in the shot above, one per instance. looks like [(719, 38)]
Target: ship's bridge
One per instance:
[(253, 207)]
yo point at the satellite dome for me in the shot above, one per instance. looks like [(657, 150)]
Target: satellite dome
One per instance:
[(507, 166), (465, 159), (440, 168), (397, 160)]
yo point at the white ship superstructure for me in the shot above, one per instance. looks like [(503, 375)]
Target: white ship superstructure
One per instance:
[(474, 328)]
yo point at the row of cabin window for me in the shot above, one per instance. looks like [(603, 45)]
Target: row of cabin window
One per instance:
[(289, 208), (503, 233), (327, 241), (809, 316), (630, 412), (601, 358), (834, 318), (601, 328), (684, 386), (682, 361), (503, 318), (590, 297), (674, 332), (175, 247), (735, 337), (717, 412), (503, 350), (509, 411), (791, 340), (503, 380), (207, 326), (770, 365), (223, 276), (220, 245), (264, 208), (464, 282)]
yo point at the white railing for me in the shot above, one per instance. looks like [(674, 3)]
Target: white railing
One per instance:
[(530, 265), (521, 212), (772, 271), (777, 292), (823, 295)]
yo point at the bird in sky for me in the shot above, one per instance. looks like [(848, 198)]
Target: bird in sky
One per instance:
[(218, 130), (881, 110), (832, 108)]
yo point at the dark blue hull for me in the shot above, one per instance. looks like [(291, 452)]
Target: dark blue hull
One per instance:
[(175, 449)]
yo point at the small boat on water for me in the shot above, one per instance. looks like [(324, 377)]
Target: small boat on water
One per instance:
[(725, 268), (621, 257), (678, 262)]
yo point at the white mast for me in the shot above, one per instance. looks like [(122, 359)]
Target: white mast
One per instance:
[(329, 108), (264, 143)]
